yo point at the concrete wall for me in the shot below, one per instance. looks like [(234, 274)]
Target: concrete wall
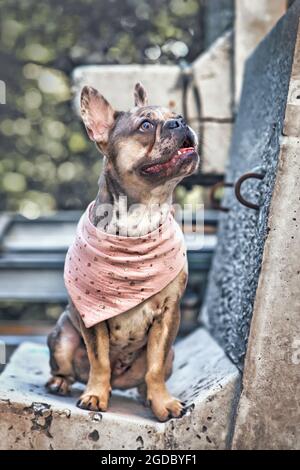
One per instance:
[(256, 141), (268, 414)]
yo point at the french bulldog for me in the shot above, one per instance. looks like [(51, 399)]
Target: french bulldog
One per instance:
[(146, 152)]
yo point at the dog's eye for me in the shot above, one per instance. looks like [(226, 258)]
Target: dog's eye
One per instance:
[(146, 126)]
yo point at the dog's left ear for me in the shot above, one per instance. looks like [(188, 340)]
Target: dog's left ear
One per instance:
[(140, 95), (97, 114)]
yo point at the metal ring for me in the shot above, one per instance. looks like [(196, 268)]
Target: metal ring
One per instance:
[(238, 185)]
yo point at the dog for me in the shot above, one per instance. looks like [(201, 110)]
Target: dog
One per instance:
[(147, 152)]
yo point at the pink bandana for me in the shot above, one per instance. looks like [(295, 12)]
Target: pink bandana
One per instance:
[(106, 275)]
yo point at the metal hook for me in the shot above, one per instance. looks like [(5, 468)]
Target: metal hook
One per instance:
[(257, 173), (238, 186)]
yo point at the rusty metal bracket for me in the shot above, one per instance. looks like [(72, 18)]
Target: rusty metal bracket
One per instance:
[(258, 174)]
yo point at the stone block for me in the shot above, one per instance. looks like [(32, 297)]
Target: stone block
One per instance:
[(33, 419)]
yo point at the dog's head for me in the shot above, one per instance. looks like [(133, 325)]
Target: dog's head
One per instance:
[(144, 147)]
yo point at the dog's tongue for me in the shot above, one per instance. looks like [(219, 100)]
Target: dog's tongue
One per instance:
[(161, 166), (184, 150)]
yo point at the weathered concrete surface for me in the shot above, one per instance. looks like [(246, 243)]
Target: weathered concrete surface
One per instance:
[(33, 419), (216, 138), (213, 77), (253, 20), (256, 142), (269, 409)]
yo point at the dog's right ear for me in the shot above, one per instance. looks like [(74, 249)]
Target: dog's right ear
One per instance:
[(97, 115)]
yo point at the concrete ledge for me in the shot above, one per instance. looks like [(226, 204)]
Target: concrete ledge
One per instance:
[(33, 419)]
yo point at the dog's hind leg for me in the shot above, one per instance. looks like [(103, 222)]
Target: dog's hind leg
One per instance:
[(63, 341)]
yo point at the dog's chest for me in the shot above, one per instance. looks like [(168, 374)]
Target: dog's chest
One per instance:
[(129, 330), (128, 334)]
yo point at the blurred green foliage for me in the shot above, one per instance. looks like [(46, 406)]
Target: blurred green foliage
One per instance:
[(46, 161)]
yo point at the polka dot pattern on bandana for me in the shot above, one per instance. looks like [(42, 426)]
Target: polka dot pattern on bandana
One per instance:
[(106, 275)]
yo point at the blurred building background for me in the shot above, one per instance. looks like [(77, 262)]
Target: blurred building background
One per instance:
[(46, 162)]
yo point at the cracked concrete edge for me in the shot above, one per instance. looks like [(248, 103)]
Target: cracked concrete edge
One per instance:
[(205, 427), (40, 427), (31, 418), (208, 426), (213, 394)]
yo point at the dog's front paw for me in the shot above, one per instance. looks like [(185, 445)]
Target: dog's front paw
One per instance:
[(167, 407), (94, 401), (58, 385)]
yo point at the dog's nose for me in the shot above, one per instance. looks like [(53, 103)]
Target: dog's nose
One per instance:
[(175, 123)]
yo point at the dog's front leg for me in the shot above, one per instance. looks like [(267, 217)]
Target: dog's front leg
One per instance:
[(97, 392), (161, 337)]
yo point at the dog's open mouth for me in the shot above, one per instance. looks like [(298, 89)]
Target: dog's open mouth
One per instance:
[(184, 154)]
